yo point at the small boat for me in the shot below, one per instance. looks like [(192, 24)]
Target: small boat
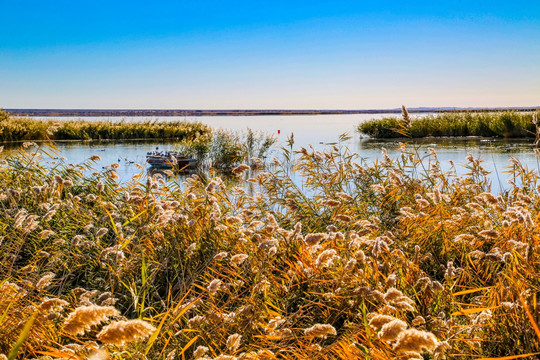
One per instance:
[(169, 159)]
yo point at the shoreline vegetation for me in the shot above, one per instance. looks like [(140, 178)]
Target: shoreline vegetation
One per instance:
[(185, 112), (505, 124), (27, 129), (386, 260)]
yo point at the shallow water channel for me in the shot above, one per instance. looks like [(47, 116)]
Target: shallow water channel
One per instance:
[(318, 131)]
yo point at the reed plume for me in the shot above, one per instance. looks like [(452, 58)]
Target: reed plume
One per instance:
[(320, 331), (405, 116), (84, 317), (416, 341), (126, 331)]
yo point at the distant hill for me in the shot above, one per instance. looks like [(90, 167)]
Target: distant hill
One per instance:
[(181, 112)]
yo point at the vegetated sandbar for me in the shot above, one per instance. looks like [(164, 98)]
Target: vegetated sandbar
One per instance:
[(244, 112), (506, 124), (28, 129)]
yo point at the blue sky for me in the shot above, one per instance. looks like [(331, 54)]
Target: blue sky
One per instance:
[(268, 54)]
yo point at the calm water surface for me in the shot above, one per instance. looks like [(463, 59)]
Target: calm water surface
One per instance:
[(315, 130)]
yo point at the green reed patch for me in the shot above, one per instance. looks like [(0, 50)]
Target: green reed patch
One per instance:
[(27, 129), (508, 124)]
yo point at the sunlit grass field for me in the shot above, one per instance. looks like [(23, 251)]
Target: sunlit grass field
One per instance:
[(385, 260)]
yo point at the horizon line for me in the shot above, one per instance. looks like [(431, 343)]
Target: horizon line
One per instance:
[(252, 112)]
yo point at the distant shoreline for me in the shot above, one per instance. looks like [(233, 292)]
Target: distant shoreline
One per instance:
[(150, 113)]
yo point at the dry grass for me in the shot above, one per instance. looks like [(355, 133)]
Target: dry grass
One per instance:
[(392, 260)]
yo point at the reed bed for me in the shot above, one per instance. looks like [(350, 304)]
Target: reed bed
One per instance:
[(27, 129), (385, 260), (507, 124)]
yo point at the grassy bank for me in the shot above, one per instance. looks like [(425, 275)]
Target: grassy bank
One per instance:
[(391, 260), (503, 124), (27, 129)]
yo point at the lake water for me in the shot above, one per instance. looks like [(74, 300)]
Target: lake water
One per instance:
[(307, 129), (315, 130)]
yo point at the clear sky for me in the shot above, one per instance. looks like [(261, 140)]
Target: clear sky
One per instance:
[(268, 54)]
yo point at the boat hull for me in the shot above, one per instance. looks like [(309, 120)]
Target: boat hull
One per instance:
[(168, 162)]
